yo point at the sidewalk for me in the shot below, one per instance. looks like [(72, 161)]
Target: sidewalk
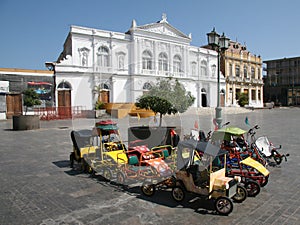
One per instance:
[(39, 187)]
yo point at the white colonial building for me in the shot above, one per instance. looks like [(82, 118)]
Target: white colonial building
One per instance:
[(121, 66)]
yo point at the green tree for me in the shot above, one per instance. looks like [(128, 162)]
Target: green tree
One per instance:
[(30, 98), (242, 99), (166, 97)]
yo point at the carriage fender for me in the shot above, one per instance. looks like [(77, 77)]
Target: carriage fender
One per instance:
[(256, 165)]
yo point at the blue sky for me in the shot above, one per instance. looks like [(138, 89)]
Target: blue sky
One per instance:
[(34, 31)]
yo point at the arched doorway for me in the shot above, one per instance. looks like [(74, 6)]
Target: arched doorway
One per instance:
[(64, 100), (222, 98), (203, 98), (103, 93)]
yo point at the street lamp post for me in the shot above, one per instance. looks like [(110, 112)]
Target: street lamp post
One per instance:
[(219, 44)]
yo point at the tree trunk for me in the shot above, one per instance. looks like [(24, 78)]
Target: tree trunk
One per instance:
[(160, 119)]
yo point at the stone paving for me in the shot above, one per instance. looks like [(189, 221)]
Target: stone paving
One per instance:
[(38, 187)]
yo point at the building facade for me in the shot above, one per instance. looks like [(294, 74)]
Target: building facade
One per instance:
[(120, 67), (282, 81), (243, 74), (14, 81)]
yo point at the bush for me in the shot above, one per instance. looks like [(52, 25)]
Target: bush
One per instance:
[(99, 105), (30, 98), (242, 99)]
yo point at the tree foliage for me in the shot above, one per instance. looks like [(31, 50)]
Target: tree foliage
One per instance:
[(166, 97), (31, 98), (242, 99)]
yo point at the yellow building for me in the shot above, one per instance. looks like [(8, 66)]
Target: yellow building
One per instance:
[(243, 74)]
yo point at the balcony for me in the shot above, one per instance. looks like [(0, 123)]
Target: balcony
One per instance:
[(177, 74), (257, 81), (164, 73), (103, 69), (247, 80), (238, 79), (230, 79), (148, 72)]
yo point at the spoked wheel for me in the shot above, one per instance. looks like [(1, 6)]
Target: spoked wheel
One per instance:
[(264, 180), (148, 189), (277, 157), (223, 205), (107, 173), (89, 169), (241, 194), (252, 187), (84, 166), (178, 193), (121, 177), (72, 156)]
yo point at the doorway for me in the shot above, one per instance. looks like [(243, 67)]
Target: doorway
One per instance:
[(203, 97), (64, 104), (104, 96), (14, 105)]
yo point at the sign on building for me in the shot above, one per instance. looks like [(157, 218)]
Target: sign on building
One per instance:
[(4, 86)]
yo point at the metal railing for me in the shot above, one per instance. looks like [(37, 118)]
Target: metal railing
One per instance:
[(61, 112)]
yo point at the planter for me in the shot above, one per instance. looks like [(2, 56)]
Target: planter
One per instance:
[(100, 112), (26, 122)]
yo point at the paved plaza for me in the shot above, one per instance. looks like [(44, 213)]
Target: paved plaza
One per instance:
[(37, 186)]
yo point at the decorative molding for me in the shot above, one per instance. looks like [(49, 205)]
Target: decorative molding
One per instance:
[(163, 30)]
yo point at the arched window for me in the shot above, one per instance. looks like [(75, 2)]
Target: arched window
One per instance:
[(105, 86), (194, 68), (252, 73), (103, 57), (176, 64), (204, 68), (64, 85), (245, 71), (147, 60), (163, 62), (237, 70), (147, 86), (230, 70)]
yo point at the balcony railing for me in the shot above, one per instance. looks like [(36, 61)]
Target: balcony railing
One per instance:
[(150, 72), (247, 80), (102, 69), (61, 112)]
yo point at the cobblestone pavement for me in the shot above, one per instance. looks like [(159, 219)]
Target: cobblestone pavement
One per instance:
[(38, 187)]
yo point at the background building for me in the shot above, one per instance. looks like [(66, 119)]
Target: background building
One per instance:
[(243, 73), (282, 81), (14, 81), (120, 67)]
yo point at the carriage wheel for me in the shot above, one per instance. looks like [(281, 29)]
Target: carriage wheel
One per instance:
[(72, 155), (121, 177), (241, 194), (252, 187), (148, 189), (90, 170), (223, 205), (84, 166), (277, 157), (178, 193), (107, 173), (264, 180)]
